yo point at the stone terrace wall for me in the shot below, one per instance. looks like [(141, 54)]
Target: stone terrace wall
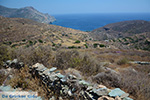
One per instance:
[(69, 86)]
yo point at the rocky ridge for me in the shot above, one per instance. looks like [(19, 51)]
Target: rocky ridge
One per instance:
[(26, 12)]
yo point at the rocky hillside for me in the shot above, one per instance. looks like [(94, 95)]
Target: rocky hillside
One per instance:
[(138, 41), (26, 12), (24, 32), (121, 29)]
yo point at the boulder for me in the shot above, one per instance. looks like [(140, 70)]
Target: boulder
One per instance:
[(101, 86), (83, 82), (116, 92), (101, 91), (52, 69)]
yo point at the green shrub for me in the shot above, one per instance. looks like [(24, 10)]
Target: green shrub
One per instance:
[(30, 43), (77, 41), (14, 45), (54, 44), (35, 42), (24, 40), (10, 42), (102, 45), (86, 45), (95, 45), (72, 47), (40, 41)]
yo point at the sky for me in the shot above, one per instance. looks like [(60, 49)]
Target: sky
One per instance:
[(82, 6)]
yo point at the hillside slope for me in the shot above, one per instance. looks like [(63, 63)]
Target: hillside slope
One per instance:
[(19, 31), (26, 12), (121, 29)]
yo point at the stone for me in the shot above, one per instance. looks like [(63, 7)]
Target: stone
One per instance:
[(117, 98), (84, 83), (101, 86), (63, 80), (5, 88), (127, 98), (88, 96), (105, 98), (46, 72), (124, 95), (15, 61), (60, 76), (72, 77), (8, 62), (53, 77), (37, 65), (70, 93), (41, 68), (116, 92), (52, 69), (101, 91), (60, 98), (52, 98), (21, 64), (89, 88)]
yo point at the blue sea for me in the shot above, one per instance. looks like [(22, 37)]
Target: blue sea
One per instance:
[(89, 22)]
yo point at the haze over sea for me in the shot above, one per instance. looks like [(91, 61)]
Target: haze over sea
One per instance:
[(89, 22)]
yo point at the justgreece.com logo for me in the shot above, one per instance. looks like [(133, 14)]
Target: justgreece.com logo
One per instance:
[(20, 95)]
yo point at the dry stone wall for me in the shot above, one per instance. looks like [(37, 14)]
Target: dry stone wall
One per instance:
[(68, 86)]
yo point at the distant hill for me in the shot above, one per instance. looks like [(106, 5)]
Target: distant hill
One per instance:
[(121, 29), (25, 32), (26, 12)]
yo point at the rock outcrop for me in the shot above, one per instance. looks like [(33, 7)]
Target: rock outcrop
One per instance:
[(26, 12)]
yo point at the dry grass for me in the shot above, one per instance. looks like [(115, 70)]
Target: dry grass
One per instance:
[(88, 62), (5, 54), (24, 80), (80, 61), (32, 55)]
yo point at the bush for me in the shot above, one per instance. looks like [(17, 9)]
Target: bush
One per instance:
[(30, 43), (102, 45), (77, 41), (72, 47), (5, 53), (40, 41), (123, 61), (24, 40), (108, 78), (32, 55), (79, 61), (86, 45), (95, 45), (136, 84)]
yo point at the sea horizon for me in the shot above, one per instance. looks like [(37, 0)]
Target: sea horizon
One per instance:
[(91, 21)]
